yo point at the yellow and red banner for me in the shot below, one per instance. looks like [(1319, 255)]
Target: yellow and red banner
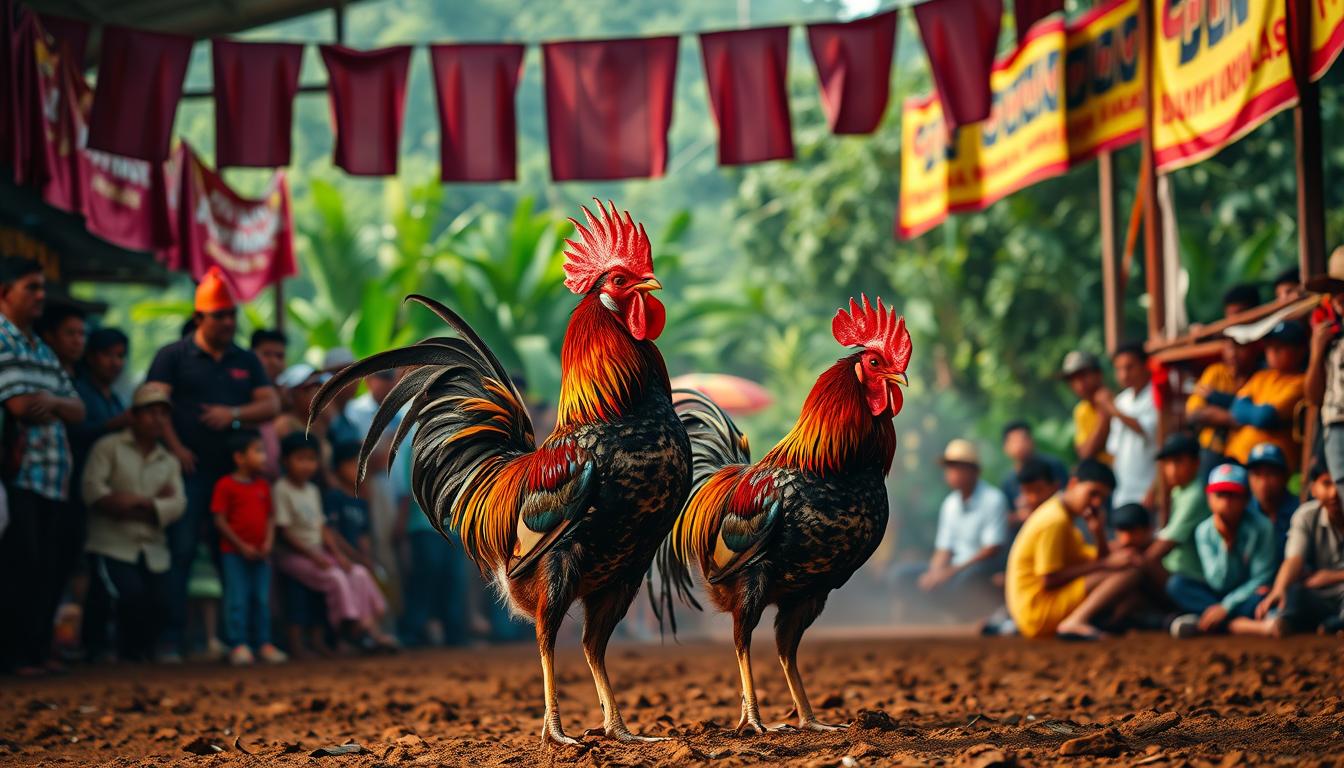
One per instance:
[(1221, 68), (1327, 35), (1022, 141), (1104, 76)]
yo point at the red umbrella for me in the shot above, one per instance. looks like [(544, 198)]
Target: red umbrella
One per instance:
[(734, 394)]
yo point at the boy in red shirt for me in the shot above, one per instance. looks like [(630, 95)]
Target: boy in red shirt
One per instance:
[(242, 509)]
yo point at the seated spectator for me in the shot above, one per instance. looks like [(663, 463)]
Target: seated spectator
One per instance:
[(1036, 483), (1133, 525), (1263, 409), (1288, 284), (133, 489), (972, 530), (1309, 588), (1020, 447), (1324, 384), (1224, 377), (1236, 557), (1268, 470), (1082, 372), (1133, 434), (1173, 552), (347, 515), (311, 555), (1240, 298), (242, 510), (1056, 584)]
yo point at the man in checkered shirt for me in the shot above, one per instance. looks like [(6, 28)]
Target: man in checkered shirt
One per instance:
[(42, 544)]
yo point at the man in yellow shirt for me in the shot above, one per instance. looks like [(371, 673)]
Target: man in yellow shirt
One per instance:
[(1263, 409), (1056, 584), (1082, 371)]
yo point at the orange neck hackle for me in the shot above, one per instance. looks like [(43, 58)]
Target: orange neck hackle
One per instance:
[(835, 430), (604, 370)]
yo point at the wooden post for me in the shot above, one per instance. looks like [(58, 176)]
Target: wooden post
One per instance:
[(1152, 223), (1111, 282), (1310, 155)]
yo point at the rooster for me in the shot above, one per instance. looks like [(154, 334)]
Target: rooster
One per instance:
[(581, 516), (797, 524)]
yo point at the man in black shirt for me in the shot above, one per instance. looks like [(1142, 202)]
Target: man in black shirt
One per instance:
[(216, 388)]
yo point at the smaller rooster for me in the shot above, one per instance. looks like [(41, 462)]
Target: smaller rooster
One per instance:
[(797, 524)]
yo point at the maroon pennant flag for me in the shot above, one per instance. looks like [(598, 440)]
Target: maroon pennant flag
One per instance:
[(368, 101), (961, 37), (608, 107), (1027, 12), (22, 123), (140, 77), (854, 67), (72, 35), (747, 72), (475, 85), (255, 85)]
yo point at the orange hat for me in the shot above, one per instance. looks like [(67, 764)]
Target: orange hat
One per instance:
[(213, 293)]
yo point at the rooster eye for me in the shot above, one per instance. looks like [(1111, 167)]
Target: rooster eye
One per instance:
[(872, 362), (618, 281)]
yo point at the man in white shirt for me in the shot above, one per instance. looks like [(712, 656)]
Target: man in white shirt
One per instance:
[(1133, 438), (972, 532)]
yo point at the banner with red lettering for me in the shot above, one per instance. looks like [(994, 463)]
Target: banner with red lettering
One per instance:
[(1327, 35), (250, 239), (1220, 70)]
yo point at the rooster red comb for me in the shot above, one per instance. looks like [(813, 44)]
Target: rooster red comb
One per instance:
[(610, 241), (876, 328)]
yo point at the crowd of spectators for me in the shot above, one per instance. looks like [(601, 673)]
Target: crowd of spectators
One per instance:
[(209, 509), (1198, 533)]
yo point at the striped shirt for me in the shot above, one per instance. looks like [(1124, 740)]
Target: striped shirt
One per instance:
[(27, 365)]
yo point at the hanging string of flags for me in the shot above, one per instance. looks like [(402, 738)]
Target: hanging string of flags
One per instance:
[(1067, 92)]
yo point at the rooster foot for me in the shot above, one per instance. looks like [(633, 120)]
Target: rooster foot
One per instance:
[(623, 735), (815, 725), (750, 722), (552, 734)]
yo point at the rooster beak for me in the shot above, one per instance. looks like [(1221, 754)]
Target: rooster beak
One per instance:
[(650, 284), (899, 378)]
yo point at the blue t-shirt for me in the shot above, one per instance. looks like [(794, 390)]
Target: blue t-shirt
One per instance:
[(347, 515)]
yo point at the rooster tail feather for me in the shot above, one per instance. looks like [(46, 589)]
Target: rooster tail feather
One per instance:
[(716, 444)]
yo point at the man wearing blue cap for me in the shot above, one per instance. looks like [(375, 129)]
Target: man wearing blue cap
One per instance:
[(1268, 470), (1236, 554)]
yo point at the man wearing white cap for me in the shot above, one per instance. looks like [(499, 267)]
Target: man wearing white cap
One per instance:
[(972, 531)]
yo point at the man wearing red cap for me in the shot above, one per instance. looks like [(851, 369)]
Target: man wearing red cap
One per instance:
[(216, 387)]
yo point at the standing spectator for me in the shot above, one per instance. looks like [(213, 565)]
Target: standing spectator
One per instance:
[(1268, 470), (972, 531), (104, 412), (1091, 428), (1058, 585), (1133, 436), (1309, 587), (64, 328), (1236, 557), (217, 388), (301, 383), (1264, 408), (1220, 379), (1288, 284), (1174, 551), (132, 486), (1240, 298), (38, 551), (310, 554), (241, 505), (1324, 386), (1020, 447), (269, 347)]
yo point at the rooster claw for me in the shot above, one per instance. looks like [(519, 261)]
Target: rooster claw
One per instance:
[(782, 728), (815, 725), (750, 727), (551, 734), (624, 736)]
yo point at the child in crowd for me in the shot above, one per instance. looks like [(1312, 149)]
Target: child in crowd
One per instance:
[(1268, 470), (1133, 525), (1309, 589), (312, 555), (1173, 551), (242, 508), (1236, 556), (348, 515)]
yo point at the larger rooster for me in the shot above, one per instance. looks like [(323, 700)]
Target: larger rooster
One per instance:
[(797, 524), (580, 516)]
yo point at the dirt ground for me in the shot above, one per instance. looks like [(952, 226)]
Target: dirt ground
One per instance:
[(1136, 701)]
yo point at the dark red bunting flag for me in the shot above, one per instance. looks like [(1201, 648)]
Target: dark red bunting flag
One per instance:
[(140, 78), (368, 101), (747, 72), (70, 34), (255, 85), (475, 85), (854, 67), (608, 107), (22, 124), (961, 37), (1027, 12)]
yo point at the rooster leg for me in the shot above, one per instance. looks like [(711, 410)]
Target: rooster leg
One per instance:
[(558, 591), (794, 617), (746, 615), (602, 611)]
